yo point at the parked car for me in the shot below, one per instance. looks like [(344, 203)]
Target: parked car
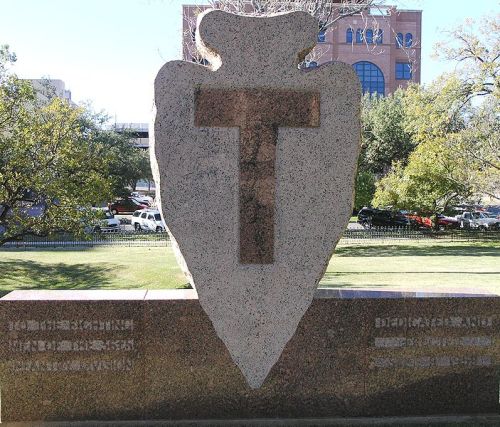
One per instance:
[(145, 200), (481, 220), (108, 223), (136, 219), (371, 217), (419, 221), (148, 220), (493, 209), (445, 221), (127, 205)]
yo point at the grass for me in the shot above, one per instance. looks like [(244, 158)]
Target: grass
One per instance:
[(91, 268), (419, 266)]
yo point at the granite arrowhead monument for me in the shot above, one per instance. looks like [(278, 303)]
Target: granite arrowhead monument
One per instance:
[(254, 162)]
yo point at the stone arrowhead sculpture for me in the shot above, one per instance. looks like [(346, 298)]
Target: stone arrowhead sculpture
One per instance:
[(254, 161)]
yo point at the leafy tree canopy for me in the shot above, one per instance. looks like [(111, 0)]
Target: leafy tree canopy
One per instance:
[(384, 136), (432, 181), (56, 161), (458, 151), (475, 47), (454, 123)]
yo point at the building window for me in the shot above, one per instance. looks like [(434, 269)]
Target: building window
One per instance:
[(408, 40), (371, 77), (359, 36), (403, 71), (348, 35), (369, 36), (380, 37), (399, 40)]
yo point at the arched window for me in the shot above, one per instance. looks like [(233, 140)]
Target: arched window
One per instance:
[(408, 40), (380, 37), (359, 35), (348, 35), (369, 36), (399, 40), (371, 77)]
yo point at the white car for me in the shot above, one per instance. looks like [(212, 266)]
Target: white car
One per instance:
[(108, 223), (148, 219), (147, 200), (481, 220), (486, 220)]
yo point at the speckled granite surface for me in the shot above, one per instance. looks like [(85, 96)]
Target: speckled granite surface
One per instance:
[(159, 357), (255, 161)]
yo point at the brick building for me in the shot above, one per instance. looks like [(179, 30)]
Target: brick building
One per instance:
[(383, 46)]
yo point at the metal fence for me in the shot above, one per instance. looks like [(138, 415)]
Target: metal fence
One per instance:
[(122, 238), (350, 236), (402, 233)]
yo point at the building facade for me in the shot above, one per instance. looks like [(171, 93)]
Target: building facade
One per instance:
[(139, 132), (140, 139), (49, 88), (383, 46)]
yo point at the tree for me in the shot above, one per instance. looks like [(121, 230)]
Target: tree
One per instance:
[(384, 136), (457, 154), (56, 161), (475, 46), (432, 181), (365, 189), (436, 110), (389, 191), (478, 146), (128, 163)]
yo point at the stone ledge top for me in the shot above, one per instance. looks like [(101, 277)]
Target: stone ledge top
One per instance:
[(75, 295), (190, 294), (324, 293)]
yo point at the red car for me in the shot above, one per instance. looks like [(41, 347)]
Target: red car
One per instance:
[(421, 221), (443, 221), (121, 206)]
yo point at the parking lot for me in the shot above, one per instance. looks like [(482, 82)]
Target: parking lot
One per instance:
[(126, 223)]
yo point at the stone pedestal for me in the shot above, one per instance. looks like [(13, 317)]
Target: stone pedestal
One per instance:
[(81, 355)]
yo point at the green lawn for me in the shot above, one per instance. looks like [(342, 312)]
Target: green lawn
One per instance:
[(434, 267), (437, 267), (91, 268)]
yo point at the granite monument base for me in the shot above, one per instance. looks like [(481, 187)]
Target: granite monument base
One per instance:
[(132, 355)]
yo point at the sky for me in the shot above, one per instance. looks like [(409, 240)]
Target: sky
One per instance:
[(109, 51)]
